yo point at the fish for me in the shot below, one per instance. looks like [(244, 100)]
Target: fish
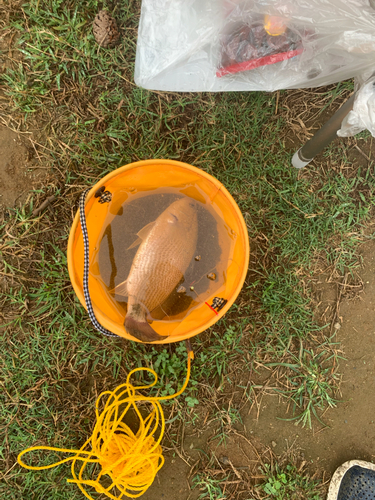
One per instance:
[(167, 246)]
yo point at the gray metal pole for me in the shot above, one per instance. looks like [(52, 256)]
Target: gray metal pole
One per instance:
[(322, 137)]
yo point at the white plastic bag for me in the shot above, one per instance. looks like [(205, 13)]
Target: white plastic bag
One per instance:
[(362, 116), (188, 45)]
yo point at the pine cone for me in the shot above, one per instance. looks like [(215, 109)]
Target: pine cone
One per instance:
[(105, 29)]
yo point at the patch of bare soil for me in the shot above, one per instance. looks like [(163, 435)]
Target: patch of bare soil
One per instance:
[(17, 175), (171, 481), (350, 433), (235, 464)]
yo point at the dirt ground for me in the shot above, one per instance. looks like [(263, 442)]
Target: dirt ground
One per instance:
[(17, 177), (350, 430)]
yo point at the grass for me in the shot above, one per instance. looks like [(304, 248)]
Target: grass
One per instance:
[(310, 380), (209, 487), (92, 119), (227, 418), (289, 483), (286, 479)]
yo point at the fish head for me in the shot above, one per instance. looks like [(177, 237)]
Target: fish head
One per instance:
[(183, 211)]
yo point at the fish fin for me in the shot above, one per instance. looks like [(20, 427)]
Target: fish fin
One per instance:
[(137, 242), (141, 330), (121, 289), (142, 234)]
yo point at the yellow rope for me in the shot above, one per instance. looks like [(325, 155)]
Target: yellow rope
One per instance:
[(130, 460)]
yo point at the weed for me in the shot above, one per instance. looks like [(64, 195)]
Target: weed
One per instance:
[(224, 346), (191, 402), (288, 483), (287, 309), (226, 418), (210, 487), (310, 381)]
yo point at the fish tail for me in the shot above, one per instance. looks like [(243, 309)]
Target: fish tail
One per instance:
[(137, 325)]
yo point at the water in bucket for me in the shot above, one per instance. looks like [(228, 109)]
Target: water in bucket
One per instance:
[(206, 273)]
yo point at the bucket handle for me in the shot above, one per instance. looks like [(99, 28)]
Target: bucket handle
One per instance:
[(86, 291)]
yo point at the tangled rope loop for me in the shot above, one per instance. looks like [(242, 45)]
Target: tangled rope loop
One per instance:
[(131, 460)]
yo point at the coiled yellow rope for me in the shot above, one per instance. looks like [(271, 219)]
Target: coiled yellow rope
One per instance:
[(130, 460)]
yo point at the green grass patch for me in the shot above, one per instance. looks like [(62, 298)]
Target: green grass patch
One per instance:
[(289, 483), (310, 379)]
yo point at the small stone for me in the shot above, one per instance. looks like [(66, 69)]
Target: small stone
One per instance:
[(181, 289), (211, 276), (224, 460), (337, 326), (273, 444), (198, 258)]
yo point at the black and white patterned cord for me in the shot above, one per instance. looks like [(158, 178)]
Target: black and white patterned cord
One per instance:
[(86, 292)]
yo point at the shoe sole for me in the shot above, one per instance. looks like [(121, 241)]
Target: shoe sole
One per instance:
[(339, 473)]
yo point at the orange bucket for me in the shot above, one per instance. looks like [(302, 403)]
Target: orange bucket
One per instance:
[(148, 176)]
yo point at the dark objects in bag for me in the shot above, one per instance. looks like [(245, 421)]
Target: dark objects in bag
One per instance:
[(250, 46)]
